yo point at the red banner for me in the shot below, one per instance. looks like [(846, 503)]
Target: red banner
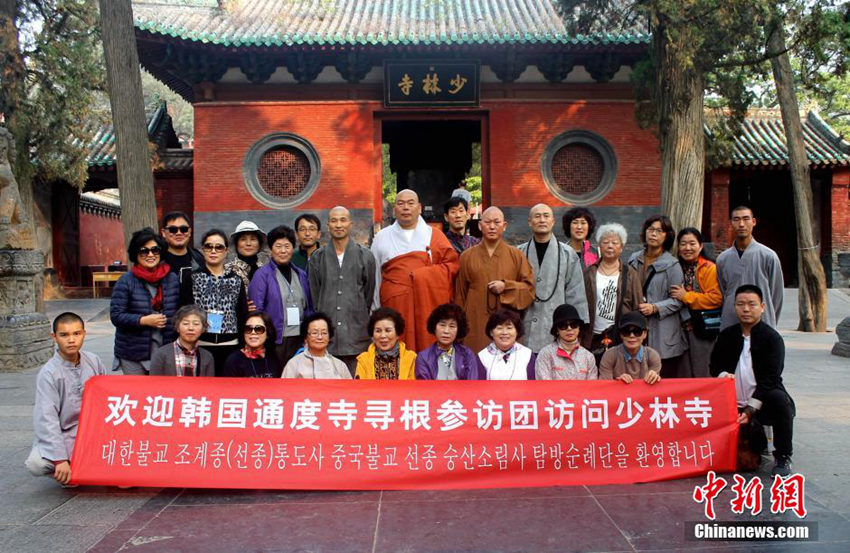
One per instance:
[(332, 434)]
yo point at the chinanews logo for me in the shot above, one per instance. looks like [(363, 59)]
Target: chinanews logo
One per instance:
[(787, 495)]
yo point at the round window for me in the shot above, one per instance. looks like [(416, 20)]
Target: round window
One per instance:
[(281, 170), (579, 167)]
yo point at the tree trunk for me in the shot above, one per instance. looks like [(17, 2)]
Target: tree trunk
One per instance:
[(811, 277), (680, 93), (135, 175), (12, 94)]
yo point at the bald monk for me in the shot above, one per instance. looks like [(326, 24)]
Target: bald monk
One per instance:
[(415, 268), (492, 275)]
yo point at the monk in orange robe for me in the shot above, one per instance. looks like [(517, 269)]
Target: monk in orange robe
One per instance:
[(416, 268), (492, 275)]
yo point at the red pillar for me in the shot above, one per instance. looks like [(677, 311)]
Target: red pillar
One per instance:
[(841, 210), (719, 182)]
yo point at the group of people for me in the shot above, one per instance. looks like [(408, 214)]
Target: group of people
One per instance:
[(424, 304)]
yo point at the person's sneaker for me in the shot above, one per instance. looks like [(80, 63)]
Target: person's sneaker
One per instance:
[(782, 466)]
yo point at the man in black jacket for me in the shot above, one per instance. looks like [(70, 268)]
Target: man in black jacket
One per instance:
[(180, 255), (753, 354)]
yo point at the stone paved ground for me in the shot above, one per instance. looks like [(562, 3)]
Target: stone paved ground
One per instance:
[(37, 515)]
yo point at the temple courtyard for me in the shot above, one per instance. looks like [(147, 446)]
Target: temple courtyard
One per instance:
[(38, 515)]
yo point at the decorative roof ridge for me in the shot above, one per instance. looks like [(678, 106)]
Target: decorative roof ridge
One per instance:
[(814, 119)]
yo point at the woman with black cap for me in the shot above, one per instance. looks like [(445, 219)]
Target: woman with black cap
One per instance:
[(564, 358)]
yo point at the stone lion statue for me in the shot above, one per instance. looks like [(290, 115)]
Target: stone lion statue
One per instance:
[(15, 230)]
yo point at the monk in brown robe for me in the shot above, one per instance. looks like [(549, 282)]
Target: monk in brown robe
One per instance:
[(492, 275), (416, 267)]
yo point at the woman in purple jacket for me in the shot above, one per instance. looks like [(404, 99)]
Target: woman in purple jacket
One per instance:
[(447, 358), (281, 290)]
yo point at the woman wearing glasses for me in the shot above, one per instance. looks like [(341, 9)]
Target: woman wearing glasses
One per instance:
[(255, 360), (281, 290), (564, 358), (315, 361), (220, 293), (143, 302), (659, 271)]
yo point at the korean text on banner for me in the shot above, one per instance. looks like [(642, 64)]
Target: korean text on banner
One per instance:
[(324, 434)]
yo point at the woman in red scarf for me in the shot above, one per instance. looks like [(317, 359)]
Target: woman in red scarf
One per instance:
[(143, 303)]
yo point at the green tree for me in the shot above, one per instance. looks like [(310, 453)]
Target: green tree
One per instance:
[(51, 73)]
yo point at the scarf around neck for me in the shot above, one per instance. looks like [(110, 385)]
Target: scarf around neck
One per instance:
[(153, 277), (390, 353)]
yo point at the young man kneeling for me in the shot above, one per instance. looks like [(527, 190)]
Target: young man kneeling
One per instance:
[(58, 398), (631, 359), (753, 354)]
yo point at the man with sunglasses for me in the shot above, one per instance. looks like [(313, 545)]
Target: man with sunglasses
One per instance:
[(631, 360), (180, 255), (753, 353)]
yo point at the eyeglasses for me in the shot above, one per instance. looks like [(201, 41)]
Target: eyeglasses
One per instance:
[(653, 230), (214, 247), (631, 331), (259, 329), (308, 229), (144, 252), (318, 333), (569, 325), (173, 229)]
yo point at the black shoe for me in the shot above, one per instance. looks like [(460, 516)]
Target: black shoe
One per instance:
[(782, 466)]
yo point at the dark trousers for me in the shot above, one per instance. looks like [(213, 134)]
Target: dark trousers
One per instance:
[(286, 349), (220, 355), (671, 367), (778, 410)]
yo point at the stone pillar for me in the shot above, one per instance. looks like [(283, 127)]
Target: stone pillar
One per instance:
[(24, 333), (842, 347)]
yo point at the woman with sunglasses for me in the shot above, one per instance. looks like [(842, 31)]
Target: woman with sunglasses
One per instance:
[(143, 302), (564, 358), (315, 361), (221, 294), (255, 360)]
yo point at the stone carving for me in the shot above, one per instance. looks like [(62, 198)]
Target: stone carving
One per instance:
[(842, 347), (15, 230)]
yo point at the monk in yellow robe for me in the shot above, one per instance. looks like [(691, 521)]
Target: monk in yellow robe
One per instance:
[(415, 269), (492, 275)]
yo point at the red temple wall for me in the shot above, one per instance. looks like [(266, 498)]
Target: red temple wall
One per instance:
[(344, 135), (101, 240), (519, 133), (341, 132)]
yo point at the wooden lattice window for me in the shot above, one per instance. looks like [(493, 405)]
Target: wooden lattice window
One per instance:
[(282, 170), (579, 167)]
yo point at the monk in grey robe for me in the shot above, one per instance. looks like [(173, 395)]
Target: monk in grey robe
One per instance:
[(749, 262), (342, 282), (558, 278)]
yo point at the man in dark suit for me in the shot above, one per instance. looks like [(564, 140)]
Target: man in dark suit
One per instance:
[(753, 353)]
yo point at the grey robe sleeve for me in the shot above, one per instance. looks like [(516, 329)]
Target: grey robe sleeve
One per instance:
[(574, 292), (369, 270), (671, 306), (777, 284), (48, 431)]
